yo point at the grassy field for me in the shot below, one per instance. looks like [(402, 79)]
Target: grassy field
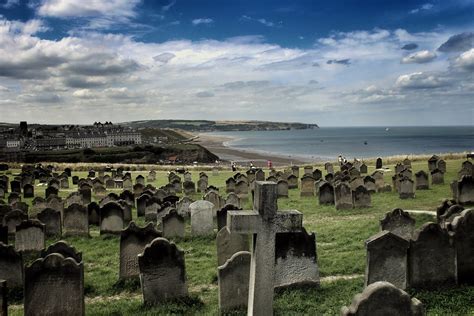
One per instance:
[(340, 246)]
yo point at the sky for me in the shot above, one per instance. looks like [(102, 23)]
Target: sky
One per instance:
[(333, 63)]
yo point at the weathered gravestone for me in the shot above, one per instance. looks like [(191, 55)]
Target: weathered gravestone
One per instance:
[(463, 234), (282, 188), (133, 240), (201, 218), (363, 168), (387, 259), (432, 258), (86, 192), (63, 249), (399, 223), (12, 219), (182, 206), (361, 197), (356, 182), (230, 185), (433, 162), (30, 236), (407, 190), (11, 266), (465, 190), (228, 244), (3, 298), (329, 167), (383, 299), (93, 210), (215, 199), (326, 193), (233, 199), (307, 185), (202, 185), (52, 221), (264, 222), (172, 224), (296, 261), (141, 204), (54, 286), (76, 220), (437, 176), (111, 218), (421, 179), (441, 165), (343, 196), (222, 215), (292, 182), (162, 272), (189, 187), (233, 279)]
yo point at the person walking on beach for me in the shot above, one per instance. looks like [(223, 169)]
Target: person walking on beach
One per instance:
[(269, 164), (251, 165), (234, 167)]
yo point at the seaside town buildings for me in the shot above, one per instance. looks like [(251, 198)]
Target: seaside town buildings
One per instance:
[(59, 137)]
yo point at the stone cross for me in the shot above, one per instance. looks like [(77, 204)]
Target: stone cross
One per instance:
[(263, 222)]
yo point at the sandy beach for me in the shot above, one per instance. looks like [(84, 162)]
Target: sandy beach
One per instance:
[(215, 144)]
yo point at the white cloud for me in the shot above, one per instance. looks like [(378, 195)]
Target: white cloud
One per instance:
[(202, 21), (466, 60), (419, 80), (422, 8), (88, 8), (262, 21), (421, 57), (10, 4), (84, 94)]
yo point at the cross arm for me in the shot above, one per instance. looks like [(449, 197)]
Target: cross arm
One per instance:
[(288, 221), (244, 222)]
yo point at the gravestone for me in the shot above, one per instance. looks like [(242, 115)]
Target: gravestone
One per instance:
[(215, 199), (12, 219), (343, 196), (111, 218), (399, 168), (3, 298), (465, 190), (363, 168), (11, 266), (432, 259), (296, 261), (233, 280), (14, 197), (233, 199), (387, 259), (356, 182), (308, 170), (182, 206), (433, 162), (15, 186), (54, 286), (242, 188), (222, 215), (264, 222), (138, 189), (407, 190), (361, 197), (64, 183), (141, 204), (162, 272), (63, 249), (86, 192), (282, 188), (30, 236), (228, 244), (133, 240), (295, 170), (201, 218), (379, 180), (202, 185), (329, 167), (378, 163), (421, 179), (28, 191), (441, 165), (326, 193), (76, 220), (292, 182), (172, 225), (437, 176), (127, 184), (317, 174), (189, 187), (383, 299), (398, 222), (230, 185), (93, 209), (52, 221), (463, 235), (140, 179), (307, 186)]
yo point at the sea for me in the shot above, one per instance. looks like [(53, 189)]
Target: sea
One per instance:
[(353, 142)]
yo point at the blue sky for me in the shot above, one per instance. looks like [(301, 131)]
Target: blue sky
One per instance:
[(335, 63)]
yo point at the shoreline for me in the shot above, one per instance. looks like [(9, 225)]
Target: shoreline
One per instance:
[(217, 144)]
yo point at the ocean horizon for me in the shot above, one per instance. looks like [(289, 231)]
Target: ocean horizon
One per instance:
[(353, 142)]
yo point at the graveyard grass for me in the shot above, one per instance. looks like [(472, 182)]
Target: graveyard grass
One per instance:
[(340, 247)]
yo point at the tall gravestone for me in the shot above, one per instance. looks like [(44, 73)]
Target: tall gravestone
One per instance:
[(361, 197), (463, 229), (76, 220), (30, 236), (343, 196), (162, 272), (421, 178), (227, 244), (387, 259), (111, 218), (133, 240), (63, 249), (172, 224), (378, 163), (326, 193), (264, 222), (54, 286), (465, 190), (201, 218), (432, 258), (233, 281), (52, 221), (307, 185), (11, 266)]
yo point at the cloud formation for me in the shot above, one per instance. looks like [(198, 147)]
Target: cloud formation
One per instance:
[(202, 21), (410, 46), (458, 43), (421, 57)]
